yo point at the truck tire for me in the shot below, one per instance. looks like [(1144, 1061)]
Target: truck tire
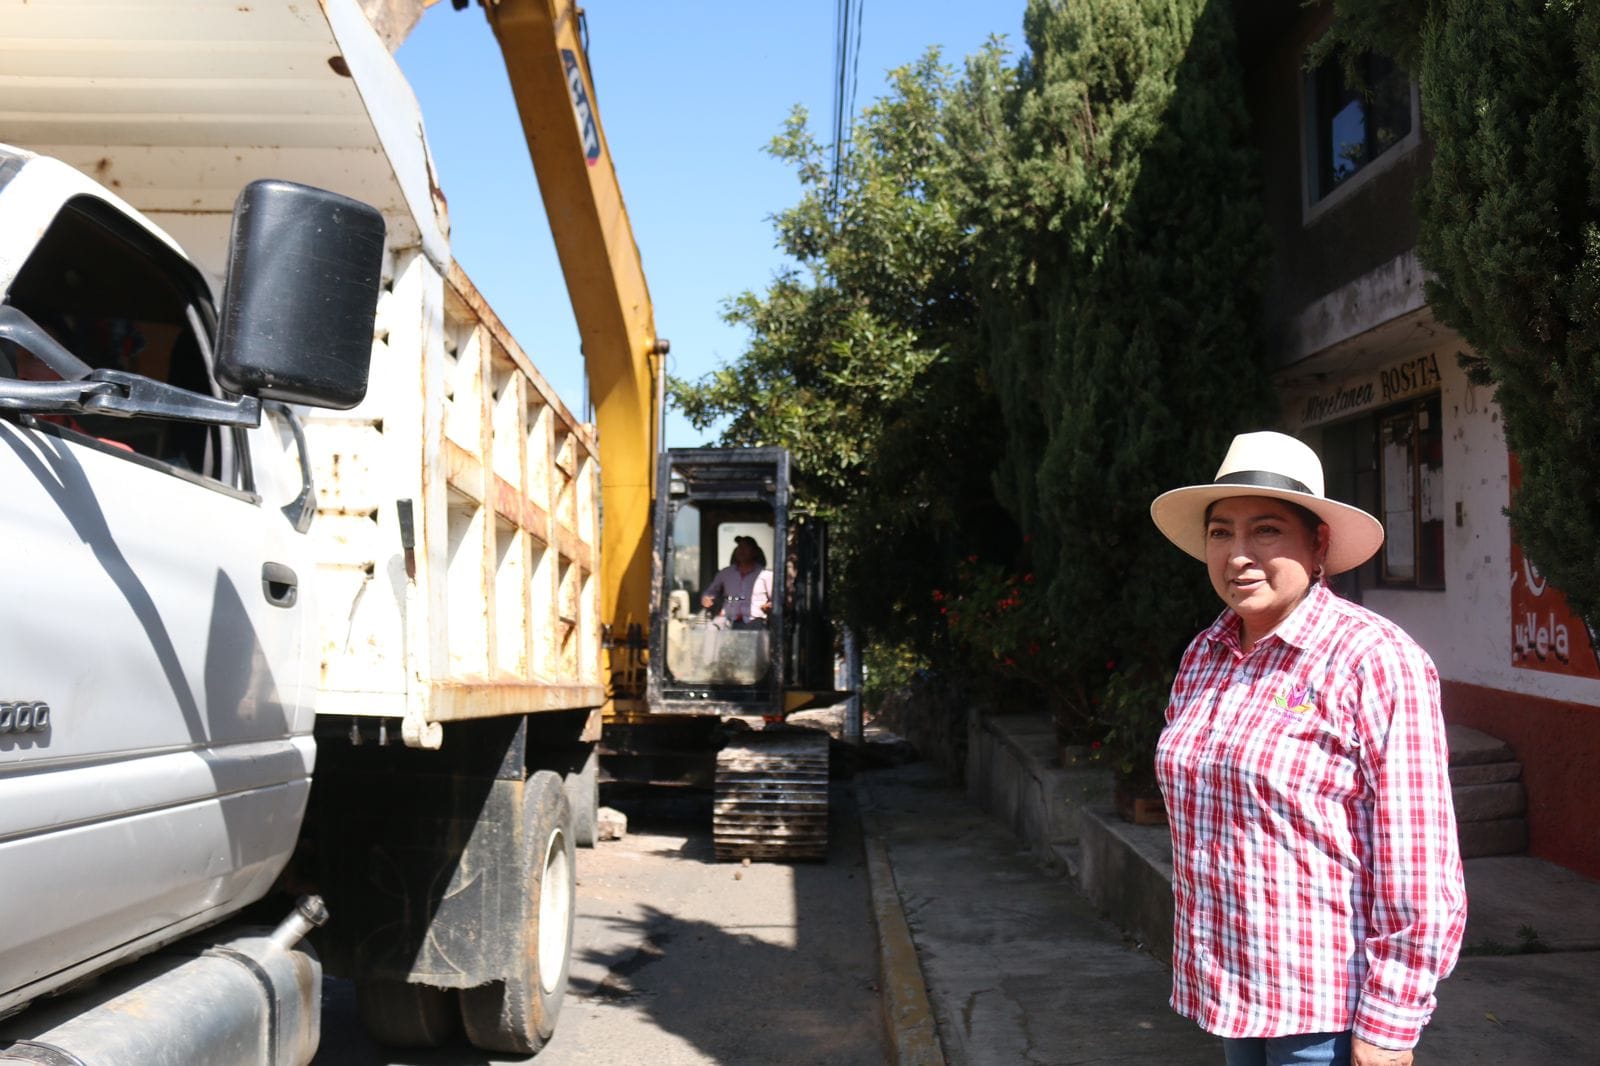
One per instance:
[(401, 1014), (517, 1015), (583, 796)]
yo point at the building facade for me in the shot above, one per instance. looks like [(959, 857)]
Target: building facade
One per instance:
[(1374, 382)]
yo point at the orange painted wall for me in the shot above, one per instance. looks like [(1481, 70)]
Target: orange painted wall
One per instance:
[(1558, 744)]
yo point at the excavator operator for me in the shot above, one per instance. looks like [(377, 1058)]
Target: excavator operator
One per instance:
[(745, 587)]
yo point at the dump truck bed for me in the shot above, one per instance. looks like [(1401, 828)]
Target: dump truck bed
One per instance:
[(489, 606)]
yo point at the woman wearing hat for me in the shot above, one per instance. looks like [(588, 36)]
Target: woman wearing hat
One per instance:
[(1316, 875)]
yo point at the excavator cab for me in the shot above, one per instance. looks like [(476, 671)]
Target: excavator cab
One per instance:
[(765, 631), (753, 644)]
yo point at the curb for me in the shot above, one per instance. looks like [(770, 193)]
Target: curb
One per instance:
[(907, 1014)]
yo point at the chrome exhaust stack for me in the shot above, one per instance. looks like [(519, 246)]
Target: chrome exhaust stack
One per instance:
[(234, 998)]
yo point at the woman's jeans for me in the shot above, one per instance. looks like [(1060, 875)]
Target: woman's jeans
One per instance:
[(1311, 1049)]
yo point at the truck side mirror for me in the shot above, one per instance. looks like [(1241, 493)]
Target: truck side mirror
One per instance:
[(304, 269)]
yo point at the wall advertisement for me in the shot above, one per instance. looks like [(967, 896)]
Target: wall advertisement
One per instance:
[(1546, 634)]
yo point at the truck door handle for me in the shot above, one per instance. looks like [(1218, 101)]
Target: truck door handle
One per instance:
[(279, 584)]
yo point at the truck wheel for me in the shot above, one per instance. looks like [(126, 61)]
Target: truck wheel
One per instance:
[(518, 1014), (401, 1014), (583, 796)]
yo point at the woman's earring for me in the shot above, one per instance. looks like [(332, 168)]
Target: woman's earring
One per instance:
[(1317, 575)]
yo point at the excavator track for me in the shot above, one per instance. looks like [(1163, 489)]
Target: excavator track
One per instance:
[(771, 798)]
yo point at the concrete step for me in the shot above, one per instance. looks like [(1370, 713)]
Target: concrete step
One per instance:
[(1504, 836), (1489, 803), (1470, 747), (1014, 771), (1068, 858), (1486, 786), (1487, 773)]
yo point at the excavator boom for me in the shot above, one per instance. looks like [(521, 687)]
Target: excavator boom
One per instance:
[(771, 790), (541, 43)]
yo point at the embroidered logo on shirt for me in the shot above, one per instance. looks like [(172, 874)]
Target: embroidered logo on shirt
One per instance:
[(1296, 699)]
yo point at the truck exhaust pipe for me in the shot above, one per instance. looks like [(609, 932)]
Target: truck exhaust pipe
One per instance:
[(249, 998)]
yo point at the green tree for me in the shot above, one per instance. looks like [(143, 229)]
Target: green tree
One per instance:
[(1128, 246), (1510, 224), (1034, 294), (1390, 27), (1510, 228), (862, 361)]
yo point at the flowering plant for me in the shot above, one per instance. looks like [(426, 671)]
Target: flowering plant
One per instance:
[(999, 622), (1132, 712)]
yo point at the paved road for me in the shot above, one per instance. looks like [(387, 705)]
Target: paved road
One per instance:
[(679, 961)]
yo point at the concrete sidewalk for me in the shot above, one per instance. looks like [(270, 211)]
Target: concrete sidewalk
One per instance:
[(1020, 966)]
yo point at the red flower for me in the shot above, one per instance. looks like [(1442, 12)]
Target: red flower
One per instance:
[(1027, 579), (1095, 745), (1010, 661), (937, 596), (972, 558), (1111, 664), (944, 610)]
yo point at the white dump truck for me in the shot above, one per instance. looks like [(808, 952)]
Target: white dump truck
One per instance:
[(301, 597)]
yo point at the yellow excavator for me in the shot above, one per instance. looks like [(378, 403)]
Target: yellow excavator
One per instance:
[(672, 517)]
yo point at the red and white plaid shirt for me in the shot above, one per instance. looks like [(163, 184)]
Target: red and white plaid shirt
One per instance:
[(1316, 873)]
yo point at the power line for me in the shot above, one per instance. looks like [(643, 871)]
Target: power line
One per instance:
[(846, 66)]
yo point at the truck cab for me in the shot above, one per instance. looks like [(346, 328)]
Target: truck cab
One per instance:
[(155, 734)]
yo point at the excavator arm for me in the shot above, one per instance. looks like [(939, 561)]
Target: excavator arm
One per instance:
[(544, 57), (771, 794)]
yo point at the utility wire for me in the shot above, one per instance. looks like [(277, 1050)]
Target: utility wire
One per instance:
[(846, 66)]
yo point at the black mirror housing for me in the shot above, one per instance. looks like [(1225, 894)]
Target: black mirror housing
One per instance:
[(304, 271)]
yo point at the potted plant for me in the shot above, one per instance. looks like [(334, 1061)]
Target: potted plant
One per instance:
[(1133, 710)]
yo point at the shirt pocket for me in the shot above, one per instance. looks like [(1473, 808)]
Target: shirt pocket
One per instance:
[(1304, 742)]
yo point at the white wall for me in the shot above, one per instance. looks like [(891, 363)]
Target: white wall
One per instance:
[(1467, 627)]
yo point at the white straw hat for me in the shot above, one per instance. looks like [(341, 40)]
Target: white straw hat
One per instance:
[(1282, 468)]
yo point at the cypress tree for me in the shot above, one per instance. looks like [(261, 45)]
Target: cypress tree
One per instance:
[(1129, 243), (1392, 27), (1510, 226)]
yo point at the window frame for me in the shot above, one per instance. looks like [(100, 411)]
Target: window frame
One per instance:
[(1422, 574), (1313, 207), (233, 474), (1359, 479)]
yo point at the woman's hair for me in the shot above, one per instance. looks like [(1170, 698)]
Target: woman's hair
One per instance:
[(1304, 515), (758, 556), (1307, 517)]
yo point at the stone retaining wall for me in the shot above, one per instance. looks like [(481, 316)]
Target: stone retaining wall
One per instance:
[(1066, 816)]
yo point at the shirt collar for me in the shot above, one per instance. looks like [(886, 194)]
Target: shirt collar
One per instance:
[(1299, 630)]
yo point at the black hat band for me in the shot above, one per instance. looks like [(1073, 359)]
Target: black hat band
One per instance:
[(1265, 479)]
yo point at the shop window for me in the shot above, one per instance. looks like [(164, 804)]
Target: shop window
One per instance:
[(1352, 122), (1391, 464)]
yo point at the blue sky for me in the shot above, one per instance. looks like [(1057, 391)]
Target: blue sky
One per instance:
[(690, 94)]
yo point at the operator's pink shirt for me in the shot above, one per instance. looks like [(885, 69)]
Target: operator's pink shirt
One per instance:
[(747, 594)]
